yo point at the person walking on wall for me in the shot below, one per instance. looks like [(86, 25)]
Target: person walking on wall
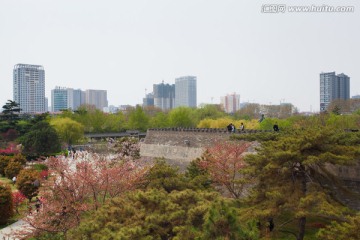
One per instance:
[(276, 127), (242, 127)]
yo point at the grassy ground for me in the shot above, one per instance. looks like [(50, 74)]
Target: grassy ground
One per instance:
[(8, 181)]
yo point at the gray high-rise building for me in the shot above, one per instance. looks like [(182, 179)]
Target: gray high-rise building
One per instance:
[(29, 88), (66, 98), (333, 87), (148, 100), (185, 91), (164, 96), (98, 98), (78, 98)]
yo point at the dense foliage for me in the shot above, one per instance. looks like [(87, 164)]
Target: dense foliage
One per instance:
[(6, 203), (28, 182), (292, 176), (41, 140), (167, 208)]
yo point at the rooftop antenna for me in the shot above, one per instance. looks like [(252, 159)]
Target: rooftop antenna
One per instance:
[(145, 91)]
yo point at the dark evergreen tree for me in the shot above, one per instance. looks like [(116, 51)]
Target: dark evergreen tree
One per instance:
[(41, 140), (291, 177)]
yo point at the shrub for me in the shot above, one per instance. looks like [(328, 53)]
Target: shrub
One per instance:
[(40, 167), (6, 203), (4, 161), (44, 174), (13, 169), (26, 182), (19, 158), (18, 198)]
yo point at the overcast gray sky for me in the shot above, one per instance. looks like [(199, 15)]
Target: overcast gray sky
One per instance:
[(125, 46)]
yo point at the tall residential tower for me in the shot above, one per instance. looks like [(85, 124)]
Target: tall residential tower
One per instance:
[(185, 91), (333, 87), (164, 96), (29, 88)]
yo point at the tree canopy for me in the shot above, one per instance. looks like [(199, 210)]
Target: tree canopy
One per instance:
[(291, 175), (41, 140)]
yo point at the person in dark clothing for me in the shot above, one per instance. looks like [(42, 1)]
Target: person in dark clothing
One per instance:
[(276, 127), (262, 118), (229, 127), (37, 204)]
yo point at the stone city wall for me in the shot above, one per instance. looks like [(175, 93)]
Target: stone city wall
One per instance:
[(180, 146)]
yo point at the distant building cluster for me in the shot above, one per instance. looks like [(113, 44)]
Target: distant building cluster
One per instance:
[(169, 96), (333, 87), (69, 98), (230, 103), (29, 92)]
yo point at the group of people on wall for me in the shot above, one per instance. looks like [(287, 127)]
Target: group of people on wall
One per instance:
[(232, 129)]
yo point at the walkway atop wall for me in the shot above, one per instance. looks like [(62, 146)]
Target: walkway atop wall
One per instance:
[(209, 130)]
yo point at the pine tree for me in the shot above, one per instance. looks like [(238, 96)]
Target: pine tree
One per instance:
[(292, 177)]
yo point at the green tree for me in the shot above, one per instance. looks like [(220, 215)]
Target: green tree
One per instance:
[(11, 111), (160, 120), (210, 111), (6, 203), (291, 177), (42, 140), (115, 122), (222, 222), (138, 119), (69, 131), (151, 214), (348, 228), (28, 182), (181, 117), (163, 176)]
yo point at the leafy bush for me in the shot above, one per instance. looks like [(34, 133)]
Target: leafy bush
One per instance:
[(6, 203), (26, 182), (19, 158), (39, 167), (13, 169), (4, 161), (18, 198)]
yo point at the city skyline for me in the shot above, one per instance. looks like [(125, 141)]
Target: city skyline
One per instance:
[(231, 46)]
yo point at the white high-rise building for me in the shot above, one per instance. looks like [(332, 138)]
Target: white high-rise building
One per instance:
[(29, 88), (185, 91), (231, 102)]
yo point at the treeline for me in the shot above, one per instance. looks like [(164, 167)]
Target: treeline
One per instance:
[(68, 127)]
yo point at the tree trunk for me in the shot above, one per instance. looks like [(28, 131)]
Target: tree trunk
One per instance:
[(302, 222)]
